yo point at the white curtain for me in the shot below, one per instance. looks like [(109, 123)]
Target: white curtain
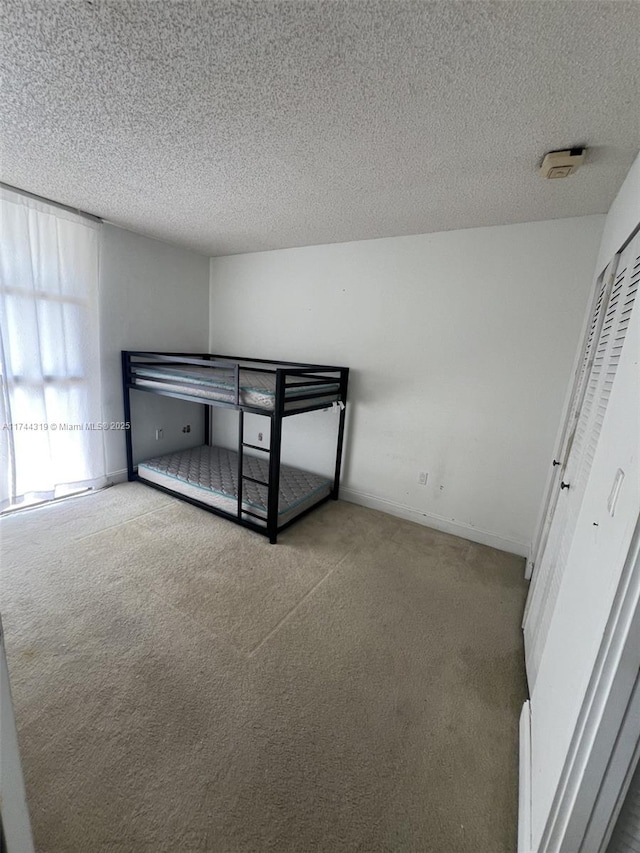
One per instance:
[(51, 439)]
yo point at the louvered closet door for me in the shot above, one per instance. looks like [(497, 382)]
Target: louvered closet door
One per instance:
[(580, 383), (540, 579), (611, 318), (600, 542), (626, 835)]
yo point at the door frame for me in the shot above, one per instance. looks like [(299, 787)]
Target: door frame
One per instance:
[(617, 780), (577, 817)]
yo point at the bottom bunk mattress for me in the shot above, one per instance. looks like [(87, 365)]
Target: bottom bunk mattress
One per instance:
[(210, 475)]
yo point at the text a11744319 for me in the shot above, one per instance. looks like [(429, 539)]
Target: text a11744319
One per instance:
[(63, 426)]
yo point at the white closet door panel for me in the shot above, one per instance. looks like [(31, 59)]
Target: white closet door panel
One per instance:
[(594, 564), (542, 575), (601, 360), (585, 443), (554, 525), (626, 835), (577, 396)]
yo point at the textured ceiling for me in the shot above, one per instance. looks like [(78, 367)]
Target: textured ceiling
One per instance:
[(251, 124)]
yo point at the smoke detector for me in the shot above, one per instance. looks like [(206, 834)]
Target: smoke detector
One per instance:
[(561, 164)]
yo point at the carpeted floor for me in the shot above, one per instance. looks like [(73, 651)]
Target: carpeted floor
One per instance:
[(181, 685)]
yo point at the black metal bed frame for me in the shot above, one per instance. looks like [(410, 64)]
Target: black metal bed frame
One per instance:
[(305, 375)]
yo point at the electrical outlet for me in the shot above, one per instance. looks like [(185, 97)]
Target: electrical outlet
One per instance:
[(159, 434), (422, 478), (186, 428)]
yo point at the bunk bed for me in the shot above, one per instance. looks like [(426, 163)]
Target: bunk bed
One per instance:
[(249, 486)]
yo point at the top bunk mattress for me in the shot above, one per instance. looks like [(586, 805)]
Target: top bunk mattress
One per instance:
[(257, 389)]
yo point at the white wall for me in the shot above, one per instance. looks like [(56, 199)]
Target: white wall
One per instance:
[(623, 217), (153, 296), (461, 346)]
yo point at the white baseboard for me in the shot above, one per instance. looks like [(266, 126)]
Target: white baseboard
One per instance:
[(524, 781), (456, 528), (117, 477)]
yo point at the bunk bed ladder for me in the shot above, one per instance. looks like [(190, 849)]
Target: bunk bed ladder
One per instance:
[(240, 459), (275, 445), (242, 477)]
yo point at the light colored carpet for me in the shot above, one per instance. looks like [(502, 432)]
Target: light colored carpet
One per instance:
[(182, 685)]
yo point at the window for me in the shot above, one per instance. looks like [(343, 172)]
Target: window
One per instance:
[(51, 442)]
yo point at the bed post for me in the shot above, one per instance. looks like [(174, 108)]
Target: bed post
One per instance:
[(274, 458), (127, 413), (240, 459), (207, 417), (207, 424), (344, 382)]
